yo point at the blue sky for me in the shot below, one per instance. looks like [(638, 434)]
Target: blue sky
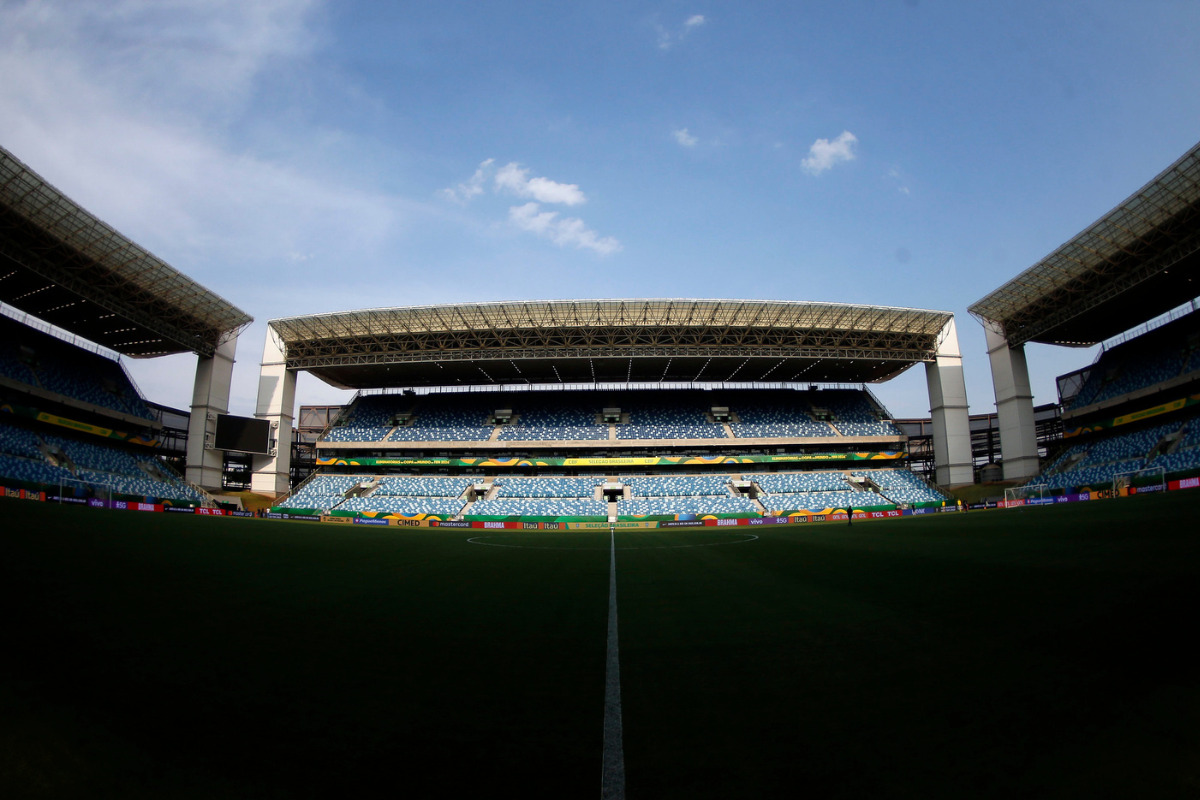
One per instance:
[(298, 156)]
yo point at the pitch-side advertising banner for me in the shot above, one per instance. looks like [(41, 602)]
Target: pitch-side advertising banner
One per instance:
[(599, 461)]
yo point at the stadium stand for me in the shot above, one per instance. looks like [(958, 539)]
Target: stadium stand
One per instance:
[(774, 414), (322, 491), (817, 501), (1128, 282), (546, 487), (554, 393), (539, 507), (47, 379), (795, 483), (1133, 409), (578, 497), (678, 485), (677, 504), (576, 416), (677, 415), (627, 422), (54, 461), (41, 361), (1141, 363), (1096, 460), (368, 419), (853, 413), (446, 418), (903, 487), (682, 494), (567, 417)]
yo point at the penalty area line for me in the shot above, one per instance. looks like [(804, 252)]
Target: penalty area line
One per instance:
[(612, 778)]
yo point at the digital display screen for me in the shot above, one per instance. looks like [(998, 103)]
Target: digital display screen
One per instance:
[(246, 434)]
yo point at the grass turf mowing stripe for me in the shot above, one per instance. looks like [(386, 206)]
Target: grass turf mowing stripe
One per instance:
[(256, 658), (1039, 652), (612, 783)]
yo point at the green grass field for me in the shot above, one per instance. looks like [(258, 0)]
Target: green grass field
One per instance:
[(1041, 652)]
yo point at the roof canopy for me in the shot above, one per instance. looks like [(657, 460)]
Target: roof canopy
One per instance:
[(602, 341), (63, 265), (1139, 260)]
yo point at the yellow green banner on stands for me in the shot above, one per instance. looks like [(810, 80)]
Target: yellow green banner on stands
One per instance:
[(602, 461)]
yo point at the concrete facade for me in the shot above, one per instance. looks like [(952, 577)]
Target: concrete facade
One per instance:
[(1014, 405), (210, 396), (277, 403), (948, 412)]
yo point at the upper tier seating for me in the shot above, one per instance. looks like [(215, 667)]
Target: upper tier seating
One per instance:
[(1127, 371), (368, 420), (447, 418), (853, 413), (43, 361), (542, 417), (776, 414), (675, 415), (576, 416), (1150, 359)]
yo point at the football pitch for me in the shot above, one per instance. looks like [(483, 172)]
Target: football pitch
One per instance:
[(1039, 652)]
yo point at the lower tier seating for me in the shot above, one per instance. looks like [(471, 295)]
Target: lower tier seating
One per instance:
[(87, 465), (1097, 460), (556, 496)]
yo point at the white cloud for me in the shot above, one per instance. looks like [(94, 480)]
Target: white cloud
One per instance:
[(668, 38), (824, 154), (131, 108), (190, 54), (140, 95), (473, 187), (566, 232), (514, 179), (684, 138), (895, 175)]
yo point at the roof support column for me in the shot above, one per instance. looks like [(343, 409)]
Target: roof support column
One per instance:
[(210, 396), (948, 412), (277, 403), (1014, 404)]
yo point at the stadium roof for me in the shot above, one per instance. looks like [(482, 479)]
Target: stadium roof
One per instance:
[(63, 265), (1137, 261), (606, 341)]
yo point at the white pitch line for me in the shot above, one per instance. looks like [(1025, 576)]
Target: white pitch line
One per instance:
[(612, 777)]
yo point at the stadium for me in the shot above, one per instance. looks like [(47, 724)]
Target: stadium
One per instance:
[(552, 393), (431, 576)]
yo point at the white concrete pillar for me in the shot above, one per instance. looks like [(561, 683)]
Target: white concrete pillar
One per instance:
[(953, 465), (1014, 405), (277, 403), (210, 396)]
